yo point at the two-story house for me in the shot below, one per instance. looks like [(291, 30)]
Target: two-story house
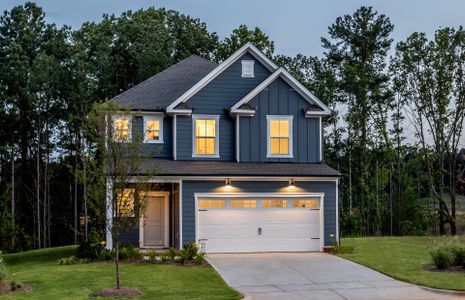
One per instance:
[(240, 151)]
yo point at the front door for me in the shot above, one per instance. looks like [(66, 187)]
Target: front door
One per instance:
[(154, 222)]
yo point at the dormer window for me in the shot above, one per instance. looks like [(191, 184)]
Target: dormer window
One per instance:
[(248, 68), (279, 136), (205, 136), (153, 129), (122, 128)]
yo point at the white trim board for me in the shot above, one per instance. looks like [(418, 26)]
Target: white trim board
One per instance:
[(217, 136), (294, 83), (197, 196), (249, 47), (178, 179)]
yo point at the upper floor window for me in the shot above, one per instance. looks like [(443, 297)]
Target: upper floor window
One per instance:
[(248, 68), (153, 129), (205, 136), (279, 136), (122, 128)]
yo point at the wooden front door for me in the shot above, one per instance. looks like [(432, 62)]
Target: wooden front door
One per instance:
[(155, 222)]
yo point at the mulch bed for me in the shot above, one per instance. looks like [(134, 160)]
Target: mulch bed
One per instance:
[(6, 287), (114, 292), (453, 269)]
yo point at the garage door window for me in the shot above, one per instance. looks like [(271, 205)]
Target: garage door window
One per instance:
[(305, 203), (243, 203), (212, 203), (274, 203)]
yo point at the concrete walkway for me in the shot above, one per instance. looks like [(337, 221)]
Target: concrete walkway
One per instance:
[(312, 276)]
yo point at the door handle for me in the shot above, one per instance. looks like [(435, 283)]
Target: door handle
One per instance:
[(259, 231)]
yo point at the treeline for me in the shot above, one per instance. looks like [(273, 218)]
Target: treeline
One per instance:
[(395, 133)]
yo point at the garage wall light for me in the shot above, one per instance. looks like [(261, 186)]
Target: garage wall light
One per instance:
[(228, 184), (291, 184)]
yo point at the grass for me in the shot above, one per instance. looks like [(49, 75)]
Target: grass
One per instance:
[(403, 258), (52, 281)]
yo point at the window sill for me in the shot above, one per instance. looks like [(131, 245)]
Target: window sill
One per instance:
[(205, 156), (279, 156), (153, 142)]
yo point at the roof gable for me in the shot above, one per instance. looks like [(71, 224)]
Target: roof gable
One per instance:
[(316, 107), (160, 90), (250, 48)]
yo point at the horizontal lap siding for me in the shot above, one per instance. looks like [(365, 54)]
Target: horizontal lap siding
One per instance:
[(191, 187), (215, 99), (279, 99), (152, 149)]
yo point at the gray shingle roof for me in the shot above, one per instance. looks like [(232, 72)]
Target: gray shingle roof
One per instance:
[(168, 167), (158, 91)]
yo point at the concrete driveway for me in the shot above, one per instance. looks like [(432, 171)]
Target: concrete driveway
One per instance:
[(311, 276)]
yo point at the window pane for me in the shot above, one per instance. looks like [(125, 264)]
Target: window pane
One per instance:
[(243, 203), (153, 135), (213, 203), (200, 127), (210, 128), (274, 144), (308, 203), (274, 131), (126, 203), (209, 146), (200, 146), (205, 137), (121, 129), (284, 128), (274, 203), (153, 125), (283, 146)]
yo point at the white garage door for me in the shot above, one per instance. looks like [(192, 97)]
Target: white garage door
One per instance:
[(259, 224)]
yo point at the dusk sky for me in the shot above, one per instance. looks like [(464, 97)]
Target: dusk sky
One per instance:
[(295, 26)]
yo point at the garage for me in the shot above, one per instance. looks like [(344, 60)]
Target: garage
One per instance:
[(267, 223)]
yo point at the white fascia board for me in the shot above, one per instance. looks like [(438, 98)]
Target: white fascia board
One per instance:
[(294, 83), (179, 112), (243, 112), (219, 69)]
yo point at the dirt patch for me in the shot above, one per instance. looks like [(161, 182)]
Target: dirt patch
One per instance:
[(114, 292), (8, 287), (453, 269)]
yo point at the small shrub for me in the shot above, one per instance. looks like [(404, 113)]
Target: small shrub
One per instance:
[(338, 249), (172, 253), (458, 252), (72, 260), (86, 250), (184, 257), (189, 250), (199, 259), (134, 253), (153, 256), (442, 256), (105, 255), (164, 258), (123, 253)]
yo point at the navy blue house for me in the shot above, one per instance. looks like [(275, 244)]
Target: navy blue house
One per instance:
[(239, 152)]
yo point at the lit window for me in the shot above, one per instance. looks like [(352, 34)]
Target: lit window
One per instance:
[(153, 128), (206, 136), (307, 203), (248, 68), (212, 203), (274, 203), (126, 203), (243, 203), (122, 129), (279, 136)]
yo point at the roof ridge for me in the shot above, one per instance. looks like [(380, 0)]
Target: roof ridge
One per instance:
[(206, 59)]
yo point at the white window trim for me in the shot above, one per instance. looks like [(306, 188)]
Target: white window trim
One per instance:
[(122, 117), (153, 118), (217, 136), (269, 118), (249, 62)]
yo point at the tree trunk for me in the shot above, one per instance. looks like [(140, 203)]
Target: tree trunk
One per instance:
[(84, 166), (117, 264), (76, 191), (38, 190), (390, 199), (13, 236)]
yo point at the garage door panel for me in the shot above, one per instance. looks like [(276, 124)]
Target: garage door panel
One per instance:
[(257, 245), (221, 231), (293, 230)]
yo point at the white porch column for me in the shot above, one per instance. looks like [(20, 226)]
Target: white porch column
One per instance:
[(109, 213)]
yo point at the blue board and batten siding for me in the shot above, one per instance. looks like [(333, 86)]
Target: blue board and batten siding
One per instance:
[(279, 99), (189, 188), (164, 149), (215, 99)]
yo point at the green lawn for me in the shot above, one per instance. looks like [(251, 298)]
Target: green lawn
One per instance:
[(52, 281), (403, 258)]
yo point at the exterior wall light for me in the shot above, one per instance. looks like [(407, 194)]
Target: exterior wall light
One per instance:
[(291, 184), (228, 184)]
